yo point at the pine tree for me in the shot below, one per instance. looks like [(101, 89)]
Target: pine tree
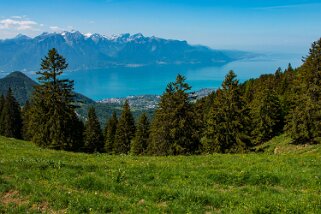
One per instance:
[(52, 114), (303, 121), (11, 122), (140, 142), (174, 130), (110, 132), (227, 124), (93, 138), (125, 131), (267, 116)]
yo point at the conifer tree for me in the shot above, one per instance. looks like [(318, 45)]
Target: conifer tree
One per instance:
[(267, 116), (93, 138), (11, 122), (25, 121), (140, 142), (110, 132), (52, 115), (201, 110), (304, 118), (173, 129), (125, 131), (227, 124), (77, 134)]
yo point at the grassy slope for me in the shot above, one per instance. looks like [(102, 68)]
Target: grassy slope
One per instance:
[(37, 180)]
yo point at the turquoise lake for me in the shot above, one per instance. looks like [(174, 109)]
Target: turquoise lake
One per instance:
[(123, 82)]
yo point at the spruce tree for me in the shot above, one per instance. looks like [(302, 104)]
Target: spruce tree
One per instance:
[(174, 130), (93, 138), (303, 121), (11, 122), (227, 125), (52, 114), (140, 142), (267, 116), (125, 131), (110, 132)]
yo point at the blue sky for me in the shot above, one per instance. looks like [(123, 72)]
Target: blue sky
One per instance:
[(265, 26)]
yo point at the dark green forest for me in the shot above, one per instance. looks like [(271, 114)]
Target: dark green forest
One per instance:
[(235, 118)]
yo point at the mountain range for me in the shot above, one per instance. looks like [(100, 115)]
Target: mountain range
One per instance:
[(94, 51)]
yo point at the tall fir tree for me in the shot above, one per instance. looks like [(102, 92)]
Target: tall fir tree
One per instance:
[(110, 132), (125, 131), (267, 116), (140, 142), (93, 137), (52, 114), (303, 121), (227, 125), (11, 122), (174, 130)]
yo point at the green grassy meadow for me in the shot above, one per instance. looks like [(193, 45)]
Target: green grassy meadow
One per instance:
[(37, 180)]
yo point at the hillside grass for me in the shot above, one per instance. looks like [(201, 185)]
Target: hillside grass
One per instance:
[(44, 181)]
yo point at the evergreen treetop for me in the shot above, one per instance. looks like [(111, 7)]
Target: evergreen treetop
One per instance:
[(110, 132), (93, 139), (52, 115), (173, 129), (125, 131), (140, 142), (227, 127)]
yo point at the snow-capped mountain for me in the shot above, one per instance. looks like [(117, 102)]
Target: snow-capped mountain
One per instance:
[(91, 51)]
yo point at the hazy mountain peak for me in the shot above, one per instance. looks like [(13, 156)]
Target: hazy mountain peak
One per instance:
[(137, 36), (74, 34), (21, 36), (17, 74), (88, 35)]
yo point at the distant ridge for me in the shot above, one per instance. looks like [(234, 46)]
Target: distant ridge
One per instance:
[(92, 51), (22, 87)]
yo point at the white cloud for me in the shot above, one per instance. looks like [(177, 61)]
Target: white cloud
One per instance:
[(15, 24), (56, 28), (16, 17)]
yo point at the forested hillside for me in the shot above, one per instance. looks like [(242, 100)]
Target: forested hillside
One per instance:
[(236, 118), (22, 87)]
